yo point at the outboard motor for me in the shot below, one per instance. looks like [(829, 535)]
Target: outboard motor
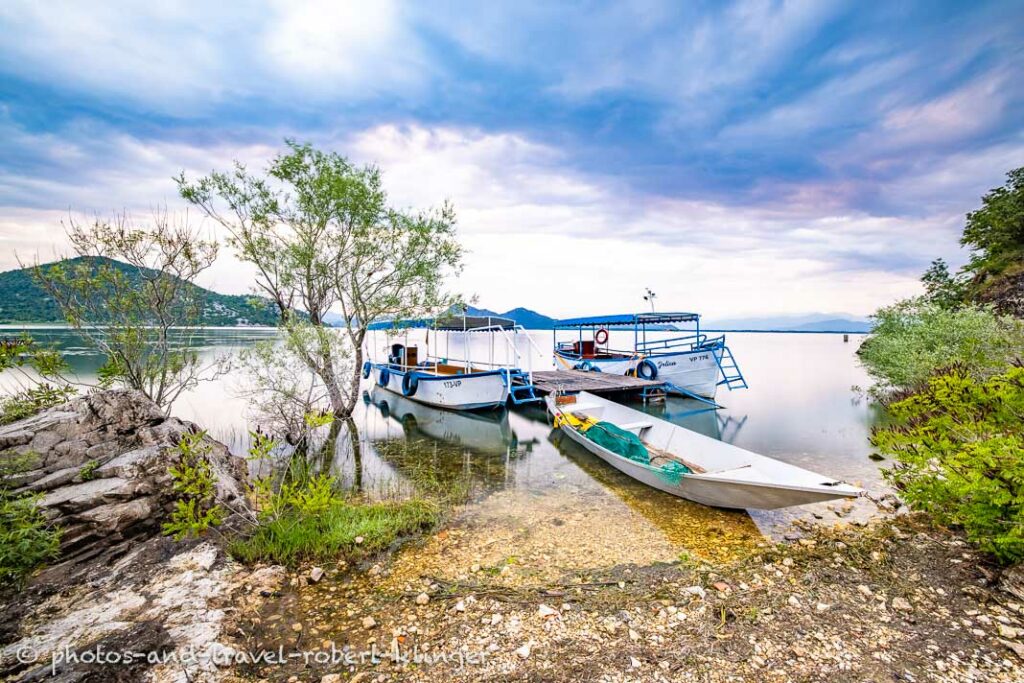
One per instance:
[(397, 355)]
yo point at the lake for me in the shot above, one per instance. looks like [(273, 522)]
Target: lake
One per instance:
[(800, 408)]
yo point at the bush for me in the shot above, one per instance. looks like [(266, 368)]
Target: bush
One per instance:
[(31, 401), (304, 516), (195, 511), (914, 339), (958, 443), (27, 539)]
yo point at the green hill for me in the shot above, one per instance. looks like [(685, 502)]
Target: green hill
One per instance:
[(22, 300)]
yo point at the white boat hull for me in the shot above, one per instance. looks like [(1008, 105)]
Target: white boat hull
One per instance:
[(733, 478), (475, 391), (696, 372)]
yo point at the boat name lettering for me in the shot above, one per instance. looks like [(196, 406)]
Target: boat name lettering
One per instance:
[(666, 364)]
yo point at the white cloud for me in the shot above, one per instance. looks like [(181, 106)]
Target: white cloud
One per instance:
[(184, 58), (540, 234)]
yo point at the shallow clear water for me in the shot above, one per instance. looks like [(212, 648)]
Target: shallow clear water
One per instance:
[(800, 408)]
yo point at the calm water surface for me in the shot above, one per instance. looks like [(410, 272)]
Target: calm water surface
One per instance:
[(800, 408)]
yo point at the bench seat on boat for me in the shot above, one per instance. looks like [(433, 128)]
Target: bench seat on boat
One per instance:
[(635, 426)]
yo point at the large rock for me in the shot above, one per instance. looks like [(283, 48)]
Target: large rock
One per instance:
[(101, 463)]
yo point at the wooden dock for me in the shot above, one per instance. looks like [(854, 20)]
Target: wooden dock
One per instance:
[(595, 382)]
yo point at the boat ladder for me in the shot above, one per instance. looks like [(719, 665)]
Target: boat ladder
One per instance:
[(520, 388), (732, 376)]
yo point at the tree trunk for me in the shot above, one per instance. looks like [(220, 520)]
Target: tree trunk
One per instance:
[(357, 455), (353, 387)]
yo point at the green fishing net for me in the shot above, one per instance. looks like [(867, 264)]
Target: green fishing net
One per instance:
[(673, 471), (618, 441)]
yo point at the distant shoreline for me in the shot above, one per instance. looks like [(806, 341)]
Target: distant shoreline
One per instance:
[(65, 326)]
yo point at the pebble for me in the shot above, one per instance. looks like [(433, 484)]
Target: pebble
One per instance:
[(422, 599), (315, 574), (544, 611), (634, 662), (524, 651), (359, 540), (901, 604), (460, 606), (696, 590), (296, 627), (864, 590), (369, 622), (794, 601), (496, 619)]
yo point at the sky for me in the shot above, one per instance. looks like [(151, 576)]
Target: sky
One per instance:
[(738, 158)]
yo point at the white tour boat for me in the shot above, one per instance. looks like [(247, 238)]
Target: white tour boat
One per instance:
[(693, 364), (444, 381)]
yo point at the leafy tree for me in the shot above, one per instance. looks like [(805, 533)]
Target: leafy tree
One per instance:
[(130, 319), (941, 287), (915, 338), (958, 443), (996, 231), (321, 235)]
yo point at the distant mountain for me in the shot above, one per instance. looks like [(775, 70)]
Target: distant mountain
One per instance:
[(810, 322), (22, 300), (835, 325)]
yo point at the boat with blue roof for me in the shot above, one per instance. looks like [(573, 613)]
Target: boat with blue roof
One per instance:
[(456, 379), (691, 364)]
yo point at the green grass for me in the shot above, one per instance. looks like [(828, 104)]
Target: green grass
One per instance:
[(330, 535)]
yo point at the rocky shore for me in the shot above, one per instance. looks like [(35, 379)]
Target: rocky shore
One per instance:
[(898, 601), (100, 465), (522, 586)]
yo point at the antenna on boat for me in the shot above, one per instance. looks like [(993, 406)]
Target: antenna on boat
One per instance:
[(649, 296)]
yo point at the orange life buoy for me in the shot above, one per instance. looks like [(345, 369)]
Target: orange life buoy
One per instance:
[(601, 336)]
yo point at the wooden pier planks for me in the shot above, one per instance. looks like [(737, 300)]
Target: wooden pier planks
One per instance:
[(595, 382)]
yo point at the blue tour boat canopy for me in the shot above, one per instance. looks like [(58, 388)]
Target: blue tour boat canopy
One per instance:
[(627, 319), (448, 323)]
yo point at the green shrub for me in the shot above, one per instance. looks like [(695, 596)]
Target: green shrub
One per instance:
[(27, 539), (27, 403), (959, 444), (913, 339), (195, 511), (305, 516)]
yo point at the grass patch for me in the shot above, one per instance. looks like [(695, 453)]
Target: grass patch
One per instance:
[(330, 534)]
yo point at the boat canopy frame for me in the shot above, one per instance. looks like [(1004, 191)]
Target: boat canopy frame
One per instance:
[(506, 328), (639, 323)]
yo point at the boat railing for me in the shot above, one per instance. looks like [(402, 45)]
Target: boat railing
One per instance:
[(512, 345), (691, 342)]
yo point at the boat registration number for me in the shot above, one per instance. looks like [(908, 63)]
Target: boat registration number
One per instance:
[(703, 356), (451, 384)]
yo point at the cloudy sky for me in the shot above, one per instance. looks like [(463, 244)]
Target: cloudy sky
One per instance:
[(740, 159)]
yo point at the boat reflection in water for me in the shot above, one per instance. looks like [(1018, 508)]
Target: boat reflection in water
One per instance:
[(435, 449)]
